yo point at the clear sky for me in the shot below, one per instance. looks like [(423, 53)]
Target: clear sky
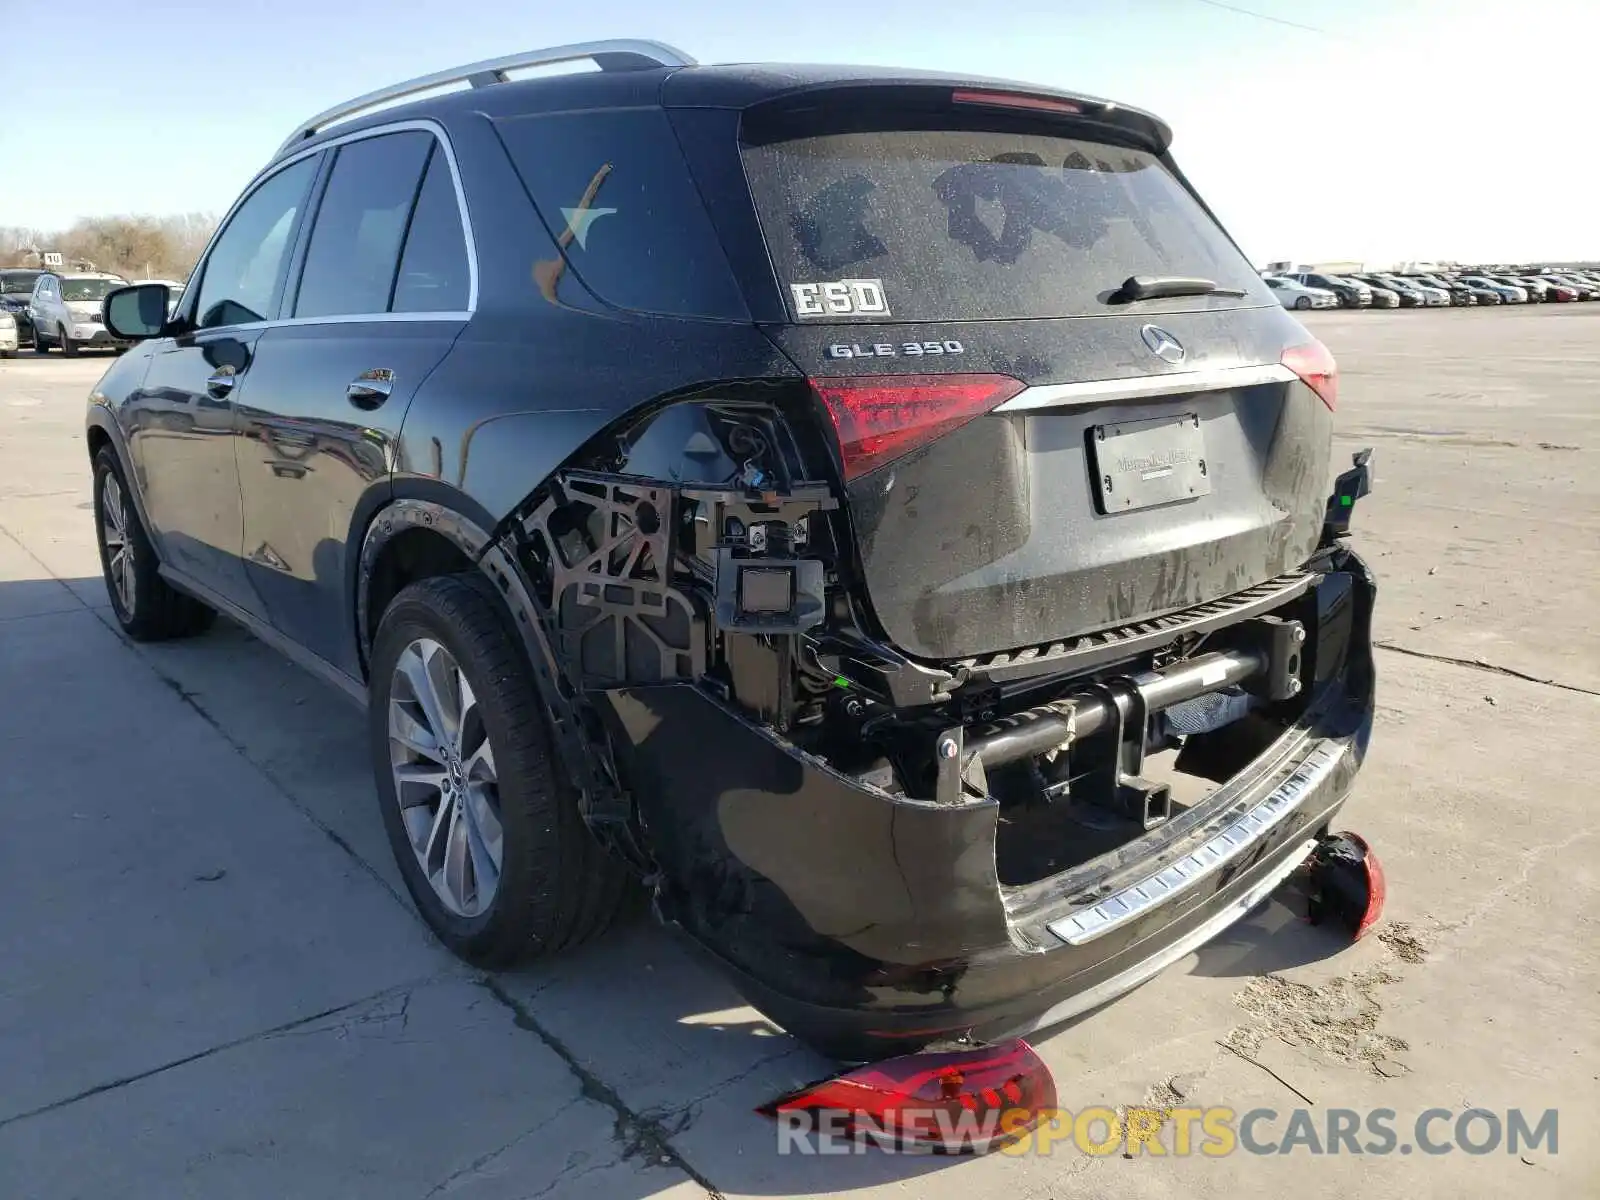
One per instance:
[(1389, 129)]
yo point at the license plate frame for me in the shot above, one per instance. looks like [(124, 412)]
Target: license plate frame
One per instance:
[(1146, 463)]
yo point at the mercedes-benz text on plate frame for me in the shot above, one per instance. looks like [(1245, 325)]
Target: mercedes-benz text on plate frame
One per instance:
[(1163, 345)]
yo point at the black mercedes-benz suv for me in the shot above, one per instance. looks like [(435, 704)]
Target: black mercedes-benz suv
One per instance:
[(882, 516)]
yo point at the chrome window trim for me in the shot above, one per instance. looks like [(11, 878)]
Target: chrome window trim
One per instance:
[(1138, 387), (197, 277)]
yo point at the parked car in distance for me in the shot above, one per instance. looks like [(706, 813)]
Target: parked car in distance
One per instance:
[(1352, 293), (1585, 288), (8, 333), (1382, 297), (1297, 295), (16, 288), (1431, 295), (1405, 295), (1460, 294), (1509, 293), (67, 311), (1538, 289), (1556, 291), (679, 636), (1480, 293)]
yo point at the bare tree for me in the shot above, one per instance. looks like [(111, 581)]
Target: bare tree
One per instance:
[(139, 247)]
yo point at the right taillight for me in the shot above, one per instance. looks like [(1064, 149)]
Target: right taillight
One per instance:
[(881, 418), (1313, 363)]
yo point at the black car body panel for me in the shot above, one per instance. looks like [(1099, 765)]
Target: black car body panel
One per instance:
[(608, 390), (992, 538)]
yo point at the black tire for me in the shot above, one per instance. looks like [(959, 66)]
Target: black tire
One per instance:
[(1302, 302), (68, 346), (557, 885), (40, 346), (156, 611)]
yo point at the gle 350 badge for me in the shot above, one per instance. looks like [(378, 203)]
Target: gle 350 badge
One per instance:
[(894, 349), (840, 298)]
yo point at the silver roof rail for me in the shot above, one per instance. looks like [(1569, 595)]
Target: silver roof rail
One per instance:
[(620, 54)]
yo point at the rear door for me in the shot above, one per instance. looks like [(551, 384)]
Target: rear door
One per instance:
[(1028, 455), (385, 288), (181, 422)]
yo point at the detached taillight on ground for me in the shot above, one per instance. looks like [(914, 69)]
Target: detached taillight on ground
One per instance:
[(881, 418), (1313, 363), (946, 1101), (1347, 883)]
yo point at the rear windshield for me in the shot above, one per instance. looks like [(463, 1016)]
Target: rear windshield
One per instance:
[(13, 282), (927, 224)]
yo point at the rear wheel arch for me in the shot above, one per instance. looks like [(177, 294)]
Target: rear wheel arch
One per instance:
[(405, 541), (101, 430)]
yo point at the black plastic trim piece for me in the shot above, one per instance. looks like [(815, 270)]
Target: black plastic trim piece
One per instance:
[(1113, 645), (393, 519), (354, 689)]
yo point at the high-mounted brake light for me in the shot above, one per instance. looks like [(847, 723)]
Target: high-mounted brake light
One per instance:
[(881, 418), (1313, 362), (1013, 100), (958, 1102)]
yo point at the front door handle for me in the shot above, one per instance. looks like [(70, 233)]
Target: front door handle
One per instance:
[(220, 382), (371, 388)]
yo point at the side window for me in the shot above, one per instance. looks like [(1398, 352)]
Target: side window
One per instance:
[(245, 270), (360, 224), (628, 219), (433, 266)]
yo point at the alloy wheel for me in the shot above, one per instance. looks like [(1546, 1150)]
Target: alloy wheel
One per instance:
[(444, 777), (119, 549)]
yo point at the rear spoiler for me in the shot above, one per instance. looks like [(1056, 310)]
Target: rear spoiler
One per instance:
[(770, 111)]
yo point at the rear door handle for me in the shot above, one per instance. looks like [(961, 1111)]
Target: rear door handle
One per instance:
[(220, 382), (371, 388)]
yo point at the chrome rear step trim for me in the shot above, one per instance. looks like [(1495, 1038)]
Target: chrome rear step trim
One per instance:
[(1106, 391), (1205, 860), (1149, 968)]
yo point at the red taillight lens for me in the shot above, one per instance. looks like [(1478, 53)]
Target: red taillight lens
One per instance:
[(1013, 100), (955, 1101), (1377, 887), (880, 418), (1313, 362)]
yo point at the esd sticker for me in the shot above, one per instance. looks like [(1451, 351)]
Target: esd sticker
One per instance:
[(840, 298)]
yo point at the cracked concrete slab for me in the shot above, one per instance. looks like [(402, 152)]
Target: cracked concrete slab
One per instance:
[(176, 901), (430, 1091)]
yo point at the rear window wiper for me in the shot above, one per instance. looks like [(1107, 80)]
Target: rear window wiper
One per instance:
[(1157, 287)]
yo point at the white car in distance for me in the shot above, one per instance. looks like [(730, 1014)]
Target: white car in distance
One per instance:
[(1297, 295)]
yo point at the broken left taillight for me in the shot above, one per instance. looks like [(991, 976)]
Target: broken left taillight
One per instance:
[(946, 1101)]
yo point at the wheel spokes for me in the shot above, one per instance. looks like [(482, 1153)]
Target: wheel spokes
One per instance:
[(445, 780), (114, 535)]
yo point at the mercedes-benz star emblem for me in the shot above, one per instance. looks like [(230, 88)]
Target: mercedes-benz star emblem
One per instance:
[(1163, 345)]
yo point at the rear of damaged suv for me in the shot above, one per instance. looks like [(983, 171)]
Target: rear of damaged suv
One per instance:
[(1005, 648)]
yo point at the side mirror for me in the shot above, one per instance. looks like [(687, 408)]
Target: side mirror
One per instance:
[(133, 313)]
